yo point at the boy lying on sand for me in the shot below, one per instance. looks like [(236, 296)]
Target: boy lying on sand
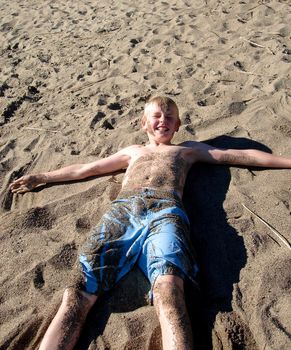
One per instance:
[(146, 225)]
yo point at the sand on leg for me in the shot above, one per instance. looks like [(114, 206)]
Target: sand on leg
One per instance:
[(66, 326), (171, 309)]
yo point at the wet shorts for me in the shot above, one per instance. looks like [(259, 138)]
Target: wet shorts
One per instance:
[(148, 227)]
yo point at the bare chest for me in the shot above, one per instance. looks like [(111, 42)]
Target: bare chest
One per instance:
[(166, 168)]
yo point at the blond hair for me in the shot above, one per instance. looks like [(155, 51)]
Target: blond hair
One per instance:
[(164, 102)]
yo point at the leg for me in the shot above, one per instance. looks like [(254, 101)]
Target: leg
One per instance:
[(66, 326), (171, 310)]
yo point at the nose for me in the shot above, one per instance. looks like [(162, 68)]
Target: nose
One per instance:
[(163, 117)]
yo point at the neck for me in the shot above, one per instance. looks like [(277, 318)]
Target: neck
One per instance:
[(157, 143)]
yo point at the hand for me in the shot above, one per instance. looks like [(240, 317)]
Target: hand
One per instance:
[(26, 183)]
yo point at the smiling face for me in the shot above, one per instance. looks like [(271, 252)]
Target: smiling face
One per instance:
[(160, 121)]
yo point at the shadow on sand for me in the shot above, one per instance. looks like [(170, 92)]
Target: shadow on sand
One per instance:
[(220, 251)]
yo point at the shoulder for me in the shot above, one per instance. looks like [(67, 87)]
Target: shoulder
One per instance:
[(197, 151), (194, 145), (129, 150)]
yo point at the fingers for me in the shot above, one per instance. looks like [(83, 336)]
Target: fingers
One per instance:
[(24, 184), (19, 189), (15, 184), (19, 186)]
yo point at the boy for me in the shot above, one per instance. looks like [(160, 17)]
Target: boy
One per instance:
[(145, 225)]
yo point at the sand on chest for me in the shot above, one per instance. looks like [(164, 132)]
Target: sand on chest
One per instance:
[(157, 170)]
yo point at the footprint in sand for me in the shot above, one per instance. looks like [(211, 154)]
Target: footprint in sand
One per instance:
[(5, 150), (38, 280), (32, 95), (237, 107), (11, 109), (83, 223), (102, 100), (40, 217), (99, 116), (65, 258), (231, 332), (271, 307), (31, 145)]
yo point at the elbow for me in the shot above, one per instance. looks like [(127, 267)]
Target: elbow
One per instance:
[(79, 172), (86, 171)]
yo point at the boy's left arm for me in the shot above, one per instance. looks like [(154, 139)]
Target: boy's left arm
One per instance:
[(247, 157)]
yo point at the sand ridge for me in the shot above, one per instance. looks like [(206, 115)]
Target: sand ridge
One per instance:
[(74, 79)]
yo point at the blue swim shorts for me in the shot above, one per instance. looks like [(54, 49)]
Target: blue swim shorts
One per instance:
[(148, 227)]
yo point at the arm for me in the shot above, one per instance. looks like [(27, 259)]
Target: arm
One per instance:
[(110, 164), (247, 157)]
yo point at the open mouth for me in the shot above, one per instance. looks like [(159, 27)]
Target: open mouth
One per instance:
[(162, 128)]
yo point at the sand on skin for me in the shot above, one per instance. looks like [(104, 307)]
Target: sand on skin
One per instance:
[(74, 78)]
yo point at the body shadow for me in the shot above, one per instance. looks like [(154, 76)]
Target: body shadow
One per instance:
[(220, 251)]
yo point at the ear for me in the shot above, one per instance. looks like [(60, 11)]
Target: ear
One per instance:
[(144, 122), (178, 124)]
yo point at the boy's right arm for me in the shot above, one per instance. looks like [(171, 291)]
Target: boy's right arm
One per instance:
[(110, 164)]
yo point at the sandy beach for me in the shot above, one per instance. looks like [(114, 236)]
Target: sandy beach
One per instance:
[(74, 76)]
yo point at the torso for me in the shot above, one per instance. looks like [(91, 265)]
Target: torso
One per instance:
[(163, 167)]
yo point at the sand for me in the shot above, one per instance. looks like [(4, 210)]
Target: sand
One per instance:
[(74, 78)]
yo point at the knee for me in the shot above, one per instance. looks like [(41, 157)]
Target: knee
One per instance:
[(73, 296), (168, 289), (169, 283)]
